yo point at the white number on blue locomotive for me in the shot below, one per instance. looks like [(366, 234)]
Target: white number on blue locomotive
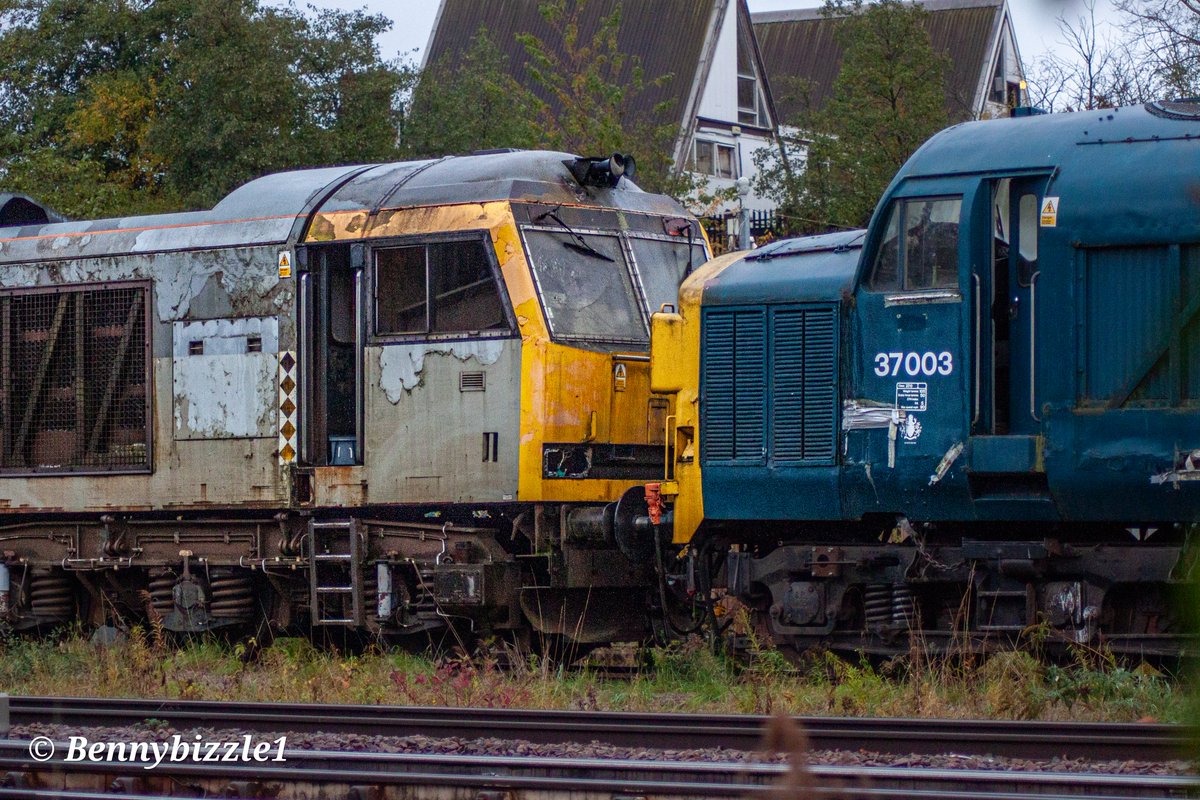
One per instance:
[(913, 364)]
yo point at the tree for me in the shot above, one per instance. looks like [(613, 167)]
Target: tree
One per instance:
[(888, 98), (112, 107), (472, 103), (1092, 69), (590, 85), (1168, 32), (1153, 54)]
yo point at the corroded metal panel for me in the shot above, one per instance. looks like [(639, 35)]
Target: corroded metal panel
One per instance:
[(428, 440), (225, 378)]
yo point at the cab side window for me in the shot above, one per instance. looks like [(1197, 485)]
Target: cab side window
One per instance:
[(439, 287), (919, 250)]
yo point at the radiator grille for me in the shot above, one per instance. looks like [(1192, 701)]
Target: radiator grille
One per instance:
[(734, 385), (73, 380), (804, 391), (769, 385)]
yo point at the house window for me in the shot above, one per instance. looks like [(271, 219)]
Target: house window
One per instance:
[(716, 159), (748, 97), (439, 287), (748, 106)]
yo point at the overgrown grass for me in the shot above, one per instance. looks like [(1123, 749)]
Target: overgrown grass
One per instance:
[(683, 677)]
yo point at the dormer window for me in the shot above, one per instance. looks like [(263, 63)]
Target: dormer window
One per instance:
[(749, 94)]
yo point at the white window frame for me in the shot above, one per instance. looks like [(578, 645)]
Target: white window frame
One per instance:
[(715, 148)]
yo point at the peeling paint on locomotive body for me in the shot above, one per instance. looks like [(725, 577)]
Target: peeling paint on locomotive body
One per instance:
[(212, 417), (401, 366), (194, 401), (425, 436), (213, 409), (226, 387)]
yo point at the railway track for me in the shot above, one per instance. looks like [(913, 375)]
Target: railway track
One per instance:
[(380, 776), (1044, 740)]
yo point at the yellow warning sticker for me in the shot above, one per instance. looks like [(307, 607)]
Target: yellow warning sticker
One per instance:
[(285, 263), (1049, 212), (620, 378)]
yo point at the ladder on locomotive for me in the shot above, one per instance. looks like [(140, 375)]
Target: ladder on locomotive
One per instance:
[(335, 572)]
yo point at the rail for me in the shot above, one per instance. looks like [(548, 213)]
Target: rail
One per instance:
[(358, 774), (1011, 739)]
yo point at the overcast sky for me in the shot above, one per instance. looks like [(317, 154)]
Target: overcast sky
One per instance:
[(1035, 20)]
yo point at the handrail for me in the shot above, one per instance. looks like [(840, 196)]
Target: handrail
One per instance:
[(978, 343), (668, 441), (1033, 346)]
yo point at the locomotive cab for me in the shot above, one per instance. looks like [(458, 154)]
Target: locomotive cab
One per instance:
[(943, 320), (980, 413)]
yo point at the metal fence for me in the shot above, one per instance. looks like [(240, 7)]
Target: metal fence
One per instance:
[(722, 229)]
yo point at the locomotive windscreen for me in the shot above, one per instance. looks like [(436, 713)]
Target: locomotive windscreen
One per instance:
[(601, 286)]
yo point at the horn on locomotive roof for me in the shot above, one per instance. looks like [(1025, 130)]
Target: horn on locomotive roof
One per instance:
[(18, 209), (601, 171)]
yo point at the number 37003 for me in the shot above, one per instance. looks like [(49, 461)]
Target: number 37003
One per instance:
[(914, 364)]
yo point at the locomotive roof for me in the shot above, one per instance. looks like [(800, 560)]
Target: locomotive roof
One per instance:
[(1119, 172), (1047, 140), (276, 209)]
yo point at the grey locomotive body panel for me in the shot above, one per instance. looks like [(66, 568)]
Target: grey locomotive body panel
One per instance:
[(218, 320)]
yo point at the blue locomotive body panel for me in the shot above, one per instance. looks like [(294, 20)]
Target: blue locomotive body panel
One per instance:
[(1015, 337)]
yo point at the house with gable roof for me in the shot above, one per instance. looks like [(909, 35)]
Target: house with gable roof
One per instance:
[(722, 60), (717, 94), (985, 78)]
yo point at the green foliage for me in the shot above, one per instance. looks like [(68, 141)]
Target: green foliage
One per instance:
[(114, 106), (472, 103), (889, 96), (592, 83), (120, 107)]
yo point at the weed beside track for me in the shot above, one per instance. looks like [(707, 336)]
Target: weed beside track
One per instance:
[(683, 677)]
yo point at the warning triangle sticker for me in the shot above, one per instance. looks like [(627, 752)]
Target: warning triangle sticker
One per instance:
[(285, 264), (1049, 215)]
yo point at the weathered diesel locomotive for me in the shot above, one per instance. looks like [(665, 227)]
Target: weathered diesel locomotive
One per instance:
[(381, 397), (981, 413)]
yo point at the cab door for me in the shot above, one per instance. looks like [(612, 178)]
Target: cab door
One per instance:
[(1004, 278), (331, 334), (1004, 455), (911, 398)]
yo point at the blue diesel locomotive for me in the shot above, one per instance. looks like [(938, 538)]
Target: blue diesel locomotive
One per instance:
[(980, 414)]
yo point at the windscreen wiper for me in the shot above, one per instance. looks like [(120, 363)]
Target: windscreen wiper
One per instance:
[(580, 244)]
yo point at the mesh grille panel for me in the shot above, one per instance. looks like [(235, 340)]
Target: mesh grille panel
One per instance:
[(734, 385), (769, 385), (73, 393)]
